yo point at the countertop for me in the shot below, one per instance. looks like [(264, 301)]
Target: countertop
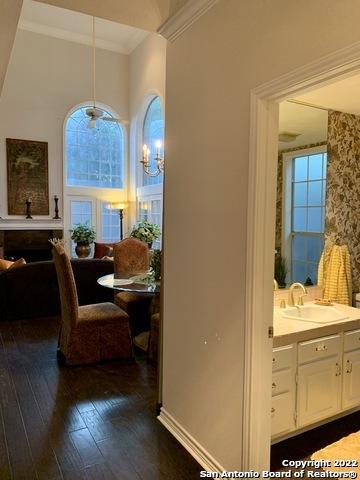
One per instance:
[(287, 331)]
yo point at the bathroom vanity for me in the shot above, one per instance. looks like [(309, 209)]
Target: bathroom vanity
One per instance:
[(316, 370)]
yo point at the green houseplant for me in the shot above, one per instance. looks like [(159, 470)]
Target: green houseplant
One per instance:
[(146, 231), (155, 263), (83, 235), (280, 270)]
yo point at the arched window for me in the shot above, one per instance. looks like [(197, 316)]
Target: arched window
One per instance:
[(95, 156), (153, 130)]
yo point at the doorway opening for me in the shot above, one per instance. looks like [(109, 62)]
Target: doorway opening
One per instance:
[(262, 215)]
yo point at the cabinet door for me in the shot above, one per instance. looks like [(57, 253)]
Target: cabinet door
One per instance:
[(351, 381), (282, 414), (319, 390)]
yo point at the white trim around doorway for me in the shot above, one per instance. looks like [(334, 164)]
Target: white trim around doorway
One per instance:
[(260, 244)]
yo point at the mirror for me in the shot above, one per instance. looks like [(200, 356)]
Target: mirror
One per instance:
[(301, 193)]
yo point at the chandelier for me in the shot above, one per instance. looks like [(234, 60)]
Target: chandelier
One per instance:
[(158, 159)]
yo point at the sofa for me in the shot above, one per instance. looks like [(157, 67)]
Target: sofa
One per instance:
[(32, 290)]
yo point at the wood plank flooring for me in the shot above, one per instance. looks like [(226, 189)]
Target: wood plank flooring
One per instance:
[(304, 445), (95, 422)]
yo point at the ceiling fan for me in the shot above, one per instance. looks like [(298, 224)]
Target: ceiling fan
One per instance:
[(94, 113)]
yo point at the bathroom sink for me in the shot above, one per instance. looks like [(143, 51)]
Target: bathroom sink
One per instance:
[(313, 313)]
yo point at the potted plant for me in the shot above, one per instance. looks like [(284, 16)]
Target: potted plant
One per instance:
[(155, 263), (83, 235), (146, 231), (280, 271)]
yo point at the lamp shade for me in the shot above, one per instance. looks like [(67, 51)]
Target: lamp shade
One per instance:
[(118, 206)]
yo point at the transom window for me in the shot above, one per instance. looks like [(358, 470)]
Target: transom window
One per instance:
[(153, 131), (307, 215), (95, 156)]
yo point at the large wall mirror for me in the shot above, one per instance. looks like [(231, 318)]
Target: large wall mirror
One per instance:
[(318, 189), (301, 192)]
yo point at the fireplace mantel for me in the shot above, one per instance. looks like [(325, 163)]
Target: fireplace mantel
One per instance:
[(30, 224)]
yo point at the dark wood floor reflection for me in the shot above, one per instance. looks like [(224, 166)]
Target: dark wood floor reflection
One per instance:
[(93, 422)]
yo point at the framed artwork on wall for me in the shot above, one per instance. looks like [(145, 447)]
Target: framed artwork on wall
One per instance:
[(27, 176)]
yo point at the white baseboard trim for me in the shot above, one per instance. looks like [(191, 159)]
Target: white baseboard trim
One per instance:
[(187, 441)]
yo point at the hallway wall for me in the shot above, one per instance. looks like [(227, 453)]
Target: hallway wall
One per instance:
[(211, 70)]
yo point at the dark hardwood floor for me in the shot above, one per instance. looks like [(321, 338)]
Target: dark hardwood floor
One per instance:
[(93, 422), (302, 446)]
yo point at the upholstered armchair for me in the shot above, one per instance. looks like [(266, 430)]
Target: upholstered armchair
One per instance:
[(89, 333), (131, 257)]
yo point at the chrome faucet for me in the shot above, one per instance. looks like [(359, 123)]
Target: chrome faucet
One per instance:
[(291, 302)]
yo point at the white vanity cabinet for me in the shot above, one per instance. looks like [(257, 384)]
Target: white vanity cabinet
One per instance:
[(313, 381), (319, 379), (283, 390), (351, 370)]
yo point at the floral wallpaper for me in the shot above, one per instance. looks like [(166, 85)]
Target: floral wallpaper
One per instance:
[(342, 222)]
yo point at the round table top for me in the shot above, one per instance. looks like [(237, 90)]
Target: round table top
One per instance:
[(143, 283)]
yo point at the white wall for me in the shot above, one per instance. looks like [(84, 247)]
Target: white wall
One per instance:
[(45, 79), (210, 70), (10, 11), (147, 77)]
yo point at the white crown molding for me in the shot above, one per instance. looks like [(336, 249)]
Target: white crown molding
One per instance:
[(184, 18), (72, 36), (201, 455), (340, 64)]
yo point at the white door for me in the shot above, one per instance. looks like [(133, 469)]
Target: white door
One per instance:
[(79, 210), (351, 382), (319, 390)]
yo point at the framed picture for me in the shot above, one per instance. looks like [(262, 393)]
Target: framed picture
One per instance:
[(27, 176)]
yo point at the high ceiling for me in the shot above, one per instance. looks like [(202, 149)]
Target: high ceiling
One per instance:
[(342, 95), (137, 13), (309, 122), (77, 27), (145, 14)]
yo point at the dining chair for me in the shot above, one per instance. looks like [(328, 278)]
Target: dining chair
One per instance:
[(132, 257), (89, 333)]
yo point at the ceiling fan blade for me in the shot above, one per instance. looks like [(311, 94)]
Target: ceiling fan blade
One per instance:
[(115, 120), (111, 119), (92, 123)]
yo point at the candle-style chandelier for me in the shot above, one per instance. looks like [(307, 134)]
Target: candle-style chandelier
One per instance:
[(158, 159)]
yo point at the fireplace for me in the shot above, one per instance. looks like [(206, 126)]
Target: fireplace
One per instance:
[(33, 245)]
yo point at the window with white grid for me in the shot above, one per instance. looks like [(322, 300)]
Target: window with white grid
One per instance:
[(151, 210), (304, 212), (81, 211), (110, 224), (94, 156), (153, 131)]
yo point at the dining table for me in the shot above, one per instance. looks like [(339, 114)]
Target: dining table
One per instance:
[(141, 283), (144, 284)]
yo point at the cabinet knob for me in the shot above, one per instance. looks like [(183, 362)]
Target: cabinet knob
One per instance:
[(321, 348), (348, 366), (273, 360), (273, 386), (273, 410), (338, 370)]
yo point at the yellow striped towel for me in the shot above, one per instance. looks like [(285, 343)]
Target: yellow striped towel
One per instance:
[(336, 275)]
